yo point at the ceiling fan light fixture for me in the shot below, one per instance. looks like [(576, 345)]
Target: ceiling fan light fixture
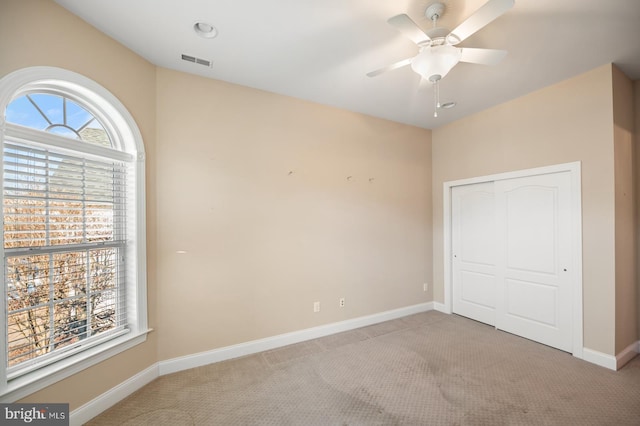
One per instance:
[(436, 60), (205, 30)]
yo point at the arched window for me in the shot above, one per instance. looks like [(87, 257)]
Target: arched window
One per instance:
[(73, 236)]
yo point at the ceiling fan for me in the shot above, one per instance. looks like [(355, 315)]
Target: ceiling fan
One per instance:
[(438, 53)]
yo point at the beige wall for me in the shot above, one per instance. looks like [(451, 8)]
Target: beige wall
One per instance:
[(636, 92), (39, 32), (566, 122), (255, 188), (625, 254)]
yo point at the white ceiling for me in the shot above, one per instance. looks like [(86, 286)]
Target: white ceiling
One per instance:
[(321, 50)]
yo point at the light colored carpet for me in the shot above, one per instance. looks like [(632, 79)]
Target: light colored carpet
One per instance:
[(425, 369)]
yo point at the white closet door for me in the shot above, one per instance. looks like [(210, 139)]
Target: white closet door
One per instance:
[(473, 242), (511, 250), (533, 254)]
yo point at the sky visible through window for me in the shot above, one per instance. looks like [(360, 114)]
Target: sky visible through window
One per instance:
[(54, 114)]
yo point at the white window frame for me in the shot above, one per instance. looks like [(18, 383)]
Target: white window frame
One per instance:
[(127, 138)]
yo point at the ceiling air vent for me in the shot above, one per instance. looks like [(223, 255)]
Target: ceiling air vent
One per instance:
[(195, 60)]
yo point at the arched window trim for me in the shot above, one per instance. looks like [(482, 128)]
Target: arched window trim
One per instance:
[(101, 102), (128, 146)]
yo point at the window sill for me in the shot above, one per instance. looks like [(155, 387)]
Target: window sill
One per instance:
[(46, 376)]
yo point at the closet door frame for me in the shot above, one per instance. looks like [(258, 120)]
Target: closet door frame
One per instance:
[(576, 238)]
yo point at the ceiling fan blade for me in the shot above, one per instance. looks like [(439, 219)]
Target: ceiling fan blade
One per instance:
[(482, 56), (390, 67), (406, 26), (481, 17)]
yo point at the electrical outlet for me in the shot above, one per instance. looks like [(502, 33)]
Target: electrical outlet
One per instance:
[(316, 306), (341, 302), (425, 287)]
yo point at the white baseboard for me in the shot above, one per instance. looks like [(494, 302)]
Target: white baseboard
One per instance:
[(111, 397), (441, 307), (627, 354), (598, 358), (609, 361), (97, 405), (260, 345)]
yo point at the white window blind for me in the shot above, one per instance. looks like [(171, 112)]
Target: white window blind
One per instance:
[(64, 245)]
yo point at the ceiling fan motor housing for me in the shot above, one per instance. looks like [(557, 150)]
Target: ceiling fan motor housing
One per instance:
[(437, 35)]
